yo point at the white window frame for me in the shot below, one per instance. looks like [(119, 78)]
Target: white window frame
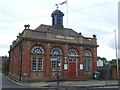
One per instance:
[(54, 50), (33, 65), (56, 66), (87, 67), (37, 59), (40, 63), (70, 53), (37, 49), (53, 65), (72, 60), (87, 53)]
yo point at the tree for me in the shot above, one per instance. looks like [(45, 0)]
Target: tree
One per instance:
[(5, 67), (103, 59), (113, 63)]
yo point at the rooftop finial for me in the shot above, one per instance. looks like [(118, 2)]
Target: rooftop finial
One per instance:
[(26, 26)]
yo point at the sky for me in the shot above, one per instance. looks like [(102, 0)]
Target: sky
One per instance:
[(99, 17)]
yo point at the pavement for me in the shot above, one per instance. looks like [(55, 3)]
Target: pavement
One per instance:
[(63, 85), (89, 83)]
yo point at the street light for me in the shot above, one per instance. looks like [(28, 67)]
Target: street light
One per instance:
[(117, 61), (58, 65)]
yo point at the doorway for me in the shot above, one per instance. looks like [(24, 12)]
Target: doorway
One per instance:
[(72, 68)]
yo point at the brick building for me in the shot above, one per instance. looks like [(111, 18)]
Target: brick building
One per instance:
[(48, 50)]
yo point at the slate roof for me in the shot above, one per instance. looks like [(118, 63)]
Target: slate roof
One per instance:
[(57, 30)]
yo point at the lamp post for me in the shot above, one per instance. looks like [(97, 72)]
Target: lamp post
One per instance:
[(58, 65), (57, 73), (118, 77)]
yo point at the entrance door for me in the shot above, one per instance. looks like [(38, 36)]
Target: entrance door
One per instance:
[(72, 68)]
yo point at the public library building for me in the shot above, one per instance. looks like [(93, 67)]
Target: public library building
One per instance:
[(51, 51)]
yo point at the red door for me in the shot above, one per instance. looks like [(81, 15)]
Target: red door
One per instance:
[(72, 69)]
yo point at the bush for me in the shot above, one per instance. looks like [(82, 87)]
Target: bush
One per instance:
[(114, 65)]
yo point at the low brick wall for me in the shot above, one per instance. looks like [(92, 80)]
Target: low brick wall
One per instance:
[(114, 73)]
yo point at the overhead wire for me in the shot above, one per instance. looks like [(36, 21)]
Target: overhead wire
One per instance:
[(23, 19), (73, 10)]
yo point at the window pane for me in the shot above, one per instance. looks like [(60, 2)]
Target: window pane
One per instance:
[(53, 65), (34, 63), (84, 65), (87, 65), (40, 64), (58, 65)]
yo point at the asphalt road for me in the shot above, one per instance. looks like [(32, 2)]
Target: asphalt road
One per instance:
[(10, 85), (6, 83)]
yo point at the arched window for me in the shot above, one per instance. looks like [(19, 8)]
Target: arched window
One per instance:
[(87, 53), (55, 64), (37, 62), (56, 51), (37, 49), (72, 52)]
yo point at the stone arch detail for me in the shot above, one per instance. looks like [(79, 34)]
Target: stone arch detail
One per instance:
[(73, 52), (56, 51), (87, 53), (37, 49)]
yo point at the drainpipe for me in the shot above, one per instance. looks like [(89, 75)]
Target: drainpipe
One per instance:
[(21, 50)]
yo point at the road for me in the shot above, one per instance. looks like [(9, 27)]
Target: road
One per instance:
[(7, 84)]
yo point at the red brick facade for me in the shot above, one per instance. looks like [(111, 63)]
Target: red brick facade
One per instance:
[(27, 46)]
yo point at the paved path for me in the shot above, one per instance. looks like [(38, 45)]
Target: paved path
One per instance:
[(89, 83)]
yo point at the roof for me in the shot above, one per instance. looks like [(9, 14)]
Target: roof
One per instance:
[(57, 30)]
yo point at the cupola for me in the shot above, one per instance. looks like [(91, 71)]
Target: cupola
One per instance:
[(57, 18)]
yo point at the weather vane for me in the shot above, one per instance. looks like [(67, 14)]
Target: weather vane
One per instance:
[(65, 2), (56, 6)]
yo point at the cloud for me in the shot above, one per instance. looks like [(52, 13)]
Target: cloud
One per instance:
[(104, 51), (3, 46), (111, 42), (88, 17)]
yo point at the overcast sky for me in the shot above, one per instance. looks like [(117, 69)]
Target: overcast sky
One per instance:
[(89, 17)]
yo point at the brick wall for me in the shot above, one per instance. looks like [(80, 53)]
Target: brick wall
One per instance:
[(114, 73), (27, 45)]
